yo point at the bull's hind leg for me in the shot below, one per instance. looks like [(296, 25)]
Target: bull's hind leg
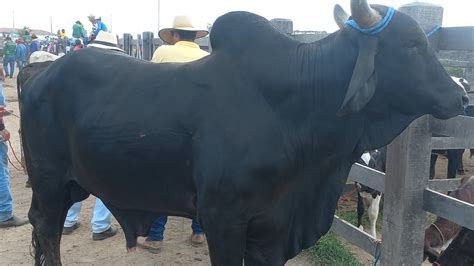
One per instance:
[(48, 210)]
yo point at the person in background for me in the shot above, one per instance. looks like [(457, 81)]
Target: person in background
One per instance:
[(181, 48), (63, 34), (97, 26), (9, 50), (180, 38), (21, 54), (7, 219), (35, 44), (78, 31), (78, 45)]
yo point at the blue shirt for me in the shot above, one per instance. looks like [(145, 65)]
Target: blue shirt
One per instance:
[(34, 46), (21, 52), (100, 26)]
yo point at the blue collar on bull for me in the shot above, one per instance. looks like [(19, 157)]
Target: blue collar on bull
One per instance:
[(435, 29), (377, 28)]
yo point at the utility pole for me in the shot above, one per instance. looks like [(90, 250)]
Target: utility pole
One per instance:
[(51, 24), (13, 15), (111, 26), (158, 15)]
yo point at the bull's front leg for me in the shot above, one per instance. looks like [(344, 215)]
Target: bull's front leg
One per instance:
[(226, 236)]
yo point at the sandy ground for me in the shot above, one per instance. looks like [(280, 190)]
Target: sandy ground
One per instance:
[(78, 248)]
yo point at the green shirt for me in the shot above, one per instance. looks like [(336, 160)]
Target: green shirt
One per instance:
[(9, 48), (78, 31)]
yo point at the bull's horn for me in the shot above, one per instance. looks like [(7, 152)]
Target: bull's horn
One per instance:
[(363, 14)]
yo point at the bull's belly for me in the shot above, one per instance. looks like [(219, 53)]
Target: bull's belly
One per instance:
[(149, 174), (172, 194)]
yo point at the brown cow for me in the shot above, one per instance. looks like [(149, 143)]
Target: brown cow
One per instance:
[(440, 233)]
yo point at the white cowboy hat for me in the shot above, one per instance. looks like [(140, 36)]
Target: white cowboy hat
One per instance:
[(181, 23), (105, 40)]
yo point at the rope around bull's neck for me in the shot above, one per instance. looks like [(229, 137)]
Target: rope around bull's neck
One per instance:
[(377, 28)]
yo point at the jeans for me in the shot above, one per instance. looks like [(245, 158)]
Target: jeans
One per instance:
[(158, 228), (9, 60), (6, 203), (100, 220), (21, 64)]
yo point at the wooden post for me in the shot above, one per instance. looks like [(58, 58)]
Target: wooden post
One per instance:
[(408, 161), (147, 45), (139, 53), (127, 43)]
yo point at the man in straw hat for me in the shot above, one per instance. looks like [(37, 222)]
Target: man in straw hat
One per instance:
[(181, 38), (181, 48)]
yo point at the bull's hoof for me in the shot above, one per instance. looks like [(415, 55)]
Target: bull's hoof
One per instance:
[(132, 249)]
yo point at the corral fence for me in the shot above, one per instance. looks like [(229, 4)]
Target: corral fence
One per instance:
[(409, 193), (145, 44)]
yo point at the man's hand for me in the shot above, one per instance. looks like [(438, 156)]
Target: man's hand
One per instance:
[(5, 135), (3, 111)]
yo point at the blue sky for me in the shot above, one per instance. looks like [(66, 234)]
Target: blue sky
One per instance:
[(142, 15)]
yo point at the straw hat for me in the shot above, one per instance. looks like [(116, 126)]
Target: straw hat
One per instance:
[(105, 40), (181, 23)]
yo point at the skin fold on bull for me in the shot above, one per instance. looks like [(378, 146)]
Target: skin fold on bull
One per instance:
[(256, 139)]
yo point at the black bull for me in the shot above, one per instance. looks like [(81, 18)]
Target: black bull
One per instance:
[(460, 252), (252, 139)]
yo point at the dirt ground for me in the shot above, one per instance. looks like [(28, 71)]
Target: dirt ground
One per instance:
[(78, 248)]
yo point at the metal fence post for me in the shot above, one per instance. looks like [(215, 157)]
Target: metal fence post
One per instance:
[(408, 161), (127, 43), (147, 45)]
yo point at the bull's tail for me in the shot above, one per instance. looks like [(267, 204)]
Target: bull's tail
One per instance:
[(18, 89), (35, 250)]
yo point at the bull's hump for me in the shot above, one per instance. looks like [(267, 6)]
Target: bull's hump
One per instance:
[(237, 30)]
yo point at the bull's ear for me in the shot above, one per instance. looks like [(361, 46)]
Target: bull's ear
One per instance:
[(340, 16), (364, 80)]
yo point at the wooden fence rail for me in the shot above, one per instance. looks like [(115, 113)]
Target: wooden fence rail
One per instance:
[(449, 208), (409, 193)]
